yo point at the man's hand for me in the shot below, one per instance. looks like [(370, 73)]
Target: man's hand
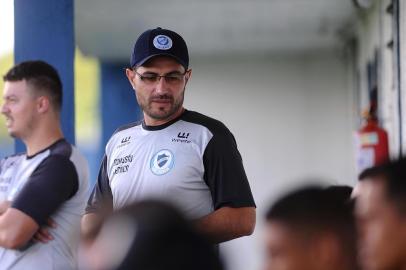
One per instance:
[(43, 234)]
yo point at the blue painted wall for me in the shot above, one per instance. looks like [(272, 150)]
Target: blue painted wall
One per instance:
[(44, 29), (118, 104)]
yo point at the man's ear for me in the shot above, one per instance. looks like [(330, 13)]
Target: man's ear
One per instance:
[(43, 104), (188, 75), (130, 76)]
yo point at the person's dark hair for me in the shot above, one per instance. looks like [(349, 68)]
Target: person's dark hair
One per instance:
[(313, 210), (394, 175), (341, 192), (165, 240), (372, 172), (43, 78)]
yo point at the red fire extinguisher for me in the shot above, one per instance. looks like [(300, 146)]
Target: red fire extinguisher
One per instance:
[(372, 143)]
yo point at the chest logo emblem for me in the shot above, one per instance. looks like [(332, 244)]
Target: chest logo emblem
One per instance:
[(162, 162)]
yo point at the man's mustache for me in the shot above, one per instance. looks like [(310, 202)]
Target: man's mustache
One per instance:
[(161, 97)]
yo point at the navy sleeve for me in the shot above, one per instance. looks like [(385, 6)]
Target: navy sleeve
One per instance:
[(224, 171), (101, 197), (52, 183)]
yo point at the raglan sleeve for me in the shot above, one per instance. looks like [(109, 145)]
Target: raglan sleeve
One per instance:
[(53, 182), (224, 171), (101, 197)]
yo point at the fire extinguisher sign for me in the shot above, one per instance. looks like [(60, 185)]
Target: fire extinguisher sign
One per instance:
[(365, 154), (369, 139)]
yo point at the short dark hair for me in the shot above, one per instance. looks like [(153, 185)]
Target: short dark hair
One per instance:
[(42, 76), (393, 173), (341, 192), (312, 210)]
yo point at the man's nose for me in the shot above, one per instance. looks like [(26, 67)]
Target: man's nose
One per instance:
[(161, 86)]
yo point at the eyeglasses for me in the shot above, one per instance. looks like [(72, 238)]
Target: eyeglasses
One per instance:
[(153, 78)]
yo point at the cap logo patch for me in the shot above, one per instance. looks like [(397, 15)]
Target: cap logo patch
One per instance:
[(162, 42)]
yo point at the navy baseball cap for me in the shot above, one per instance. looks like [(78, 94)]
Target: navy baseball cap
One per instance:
[(158, 41)]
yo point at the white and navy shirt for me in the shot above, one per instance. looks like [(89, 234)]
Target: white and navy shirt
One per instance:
[(52, 183), (191, 161)]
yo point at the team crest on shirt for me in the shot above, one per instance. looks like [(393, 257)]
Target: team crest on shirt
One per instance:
[(162, 162)]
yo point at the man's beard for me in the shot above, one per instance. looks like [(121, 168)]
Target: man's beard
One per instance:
[(162, 114)]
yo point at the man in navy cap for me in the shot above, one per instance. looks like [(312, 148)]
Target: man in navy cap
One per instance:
[(174, 154)]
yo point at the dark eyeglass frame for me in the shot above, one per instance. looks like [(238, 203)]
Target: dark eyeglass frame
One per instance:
[(152, 78)]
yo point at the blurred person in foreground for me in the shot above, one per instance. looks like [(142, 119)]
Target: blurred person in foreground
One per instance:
[(150, 235), (311, 228), (49, 180), (173, 154), (381, 216)]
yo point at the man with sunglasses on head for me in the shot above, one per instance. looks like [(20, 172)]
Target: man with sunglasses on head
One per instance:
[(173, 154)]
